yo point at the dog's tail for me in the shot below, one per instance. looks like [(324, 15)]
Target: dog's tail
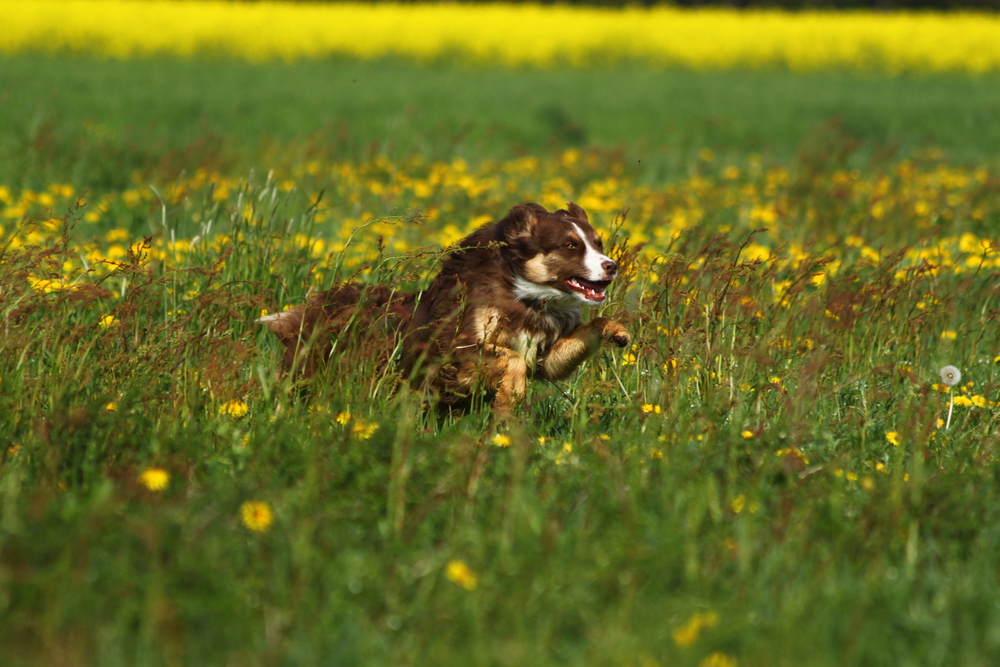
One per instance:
[(377, 314)]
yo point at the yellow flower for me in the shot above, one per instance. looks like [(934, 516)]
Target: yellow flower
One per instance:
[(739, 502), (459, 573), (949, 335), (111, 407), (107, 321), (717, 659), (343, 417), (628, 359), (747, 434), (686, 634), (501, 440), (154, 479), (892, 437), (364, 430), (234, 408), (650, 408), (256, 515), (963, 401)]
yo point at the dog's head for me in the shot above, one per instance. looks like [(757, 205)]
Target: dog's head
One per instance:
[(555, 254)]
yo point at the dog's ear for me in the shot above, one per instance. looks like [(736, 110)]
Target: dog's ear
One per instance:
[(577, 212), (520, 222)]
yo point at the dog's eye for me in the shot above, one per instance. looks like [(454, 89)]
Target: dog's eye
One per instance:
[(571, 245)]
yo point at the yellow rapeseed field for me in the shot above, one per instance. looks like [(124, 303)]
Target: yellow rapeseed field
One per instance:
[(513, 35)]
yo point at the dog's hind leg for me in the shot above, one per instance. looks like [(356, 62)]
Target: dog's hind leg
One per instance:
[(584, 342)]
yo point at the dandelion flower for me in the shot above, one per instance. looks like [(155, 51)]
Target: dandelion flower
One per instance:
[(949, 335), (364, 430), (650, 408), (739, 502), (686, 634), (501, 440), (343, 417), (747, 435), (459, 573), (111, 407), (893, 438), (107, 321), (963, 401), (234, 408), (256, 515), (154, 479), (717, 659)]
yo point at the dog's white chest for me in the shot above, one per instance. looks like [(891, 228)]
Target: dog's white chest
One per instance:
[(529, 345)]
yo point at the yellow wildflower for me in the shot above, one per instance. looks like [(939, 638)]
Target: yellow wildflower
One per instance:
[(459, 573), (963, 401), (686, 634), (108, 321), (343, 417), (364, 430), (739, 502), (501, 440), (747, 434), (234, 408), (154, 479), (650, 408), (256, 515), (892, 437), (717, 659)]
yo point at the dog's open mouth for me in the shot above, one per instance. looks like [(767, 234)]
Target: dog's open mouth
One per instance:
[(592, 290)]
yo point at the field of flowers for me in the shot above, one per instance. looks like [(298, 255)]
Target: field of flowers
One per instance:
[(517, 35), (778, 462), (795, 463)]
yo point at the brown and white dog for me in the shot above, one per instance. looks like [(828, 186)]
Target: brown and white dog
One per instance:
[(505, 306)]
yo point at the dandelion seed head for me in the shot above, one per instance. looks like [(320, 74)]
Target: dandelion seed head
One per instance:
[(951, 376)]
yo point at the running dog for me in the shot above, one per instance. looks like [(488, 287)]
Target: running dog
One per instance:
[(505, 306)]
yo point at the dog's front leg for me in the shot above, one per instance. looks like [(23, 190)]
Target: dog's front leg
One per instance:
[(508, 374), (584, 342)]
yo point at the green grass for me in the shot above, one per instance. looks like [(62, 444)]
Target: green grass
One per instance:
[(90, 121), (778, 506)]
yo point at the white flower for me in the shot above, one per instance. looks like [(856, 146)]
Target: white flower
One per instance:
[(951, 376)]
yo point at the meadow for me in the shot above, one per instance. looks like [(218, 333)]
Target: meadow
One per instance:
[(777, 472)]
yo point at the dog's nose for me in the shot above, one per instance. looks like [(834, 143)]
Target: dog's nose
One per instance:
[(610, 267)]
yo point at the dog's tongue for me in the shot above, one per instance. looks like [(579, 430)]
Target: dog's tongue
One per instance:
[(593, 291)]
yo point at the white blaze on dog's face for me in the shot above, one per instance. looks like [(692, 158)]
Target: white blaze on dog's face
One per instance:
[(557, 256)]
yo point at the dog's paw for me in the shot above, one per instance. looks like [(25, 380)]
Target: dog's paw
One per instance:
[(614, 332)]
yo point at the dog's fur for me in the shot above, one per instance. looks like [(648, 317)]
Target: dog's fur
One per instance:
[(505, 306)]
